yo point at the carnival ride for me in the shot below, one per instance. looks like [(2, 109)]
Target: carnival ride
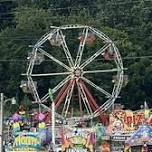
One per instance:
[(70, 58), (80, 53)]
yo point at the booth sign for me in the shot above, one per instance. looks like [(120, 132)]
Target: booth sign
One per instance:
[(28, 142), (126, 121)]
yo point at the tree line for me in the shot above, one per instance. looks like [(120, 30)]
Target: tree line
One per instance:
[(127, 22)]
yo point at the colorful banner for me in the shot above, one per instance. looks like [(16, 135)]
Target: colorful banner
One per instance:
[(78, 138), (126, 121), (28, 142), (78, 141)]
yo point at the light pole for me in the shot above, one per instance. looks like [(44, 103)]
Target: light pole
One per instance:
[(53, 119), (2, 103), (53, 125), (1, 122)]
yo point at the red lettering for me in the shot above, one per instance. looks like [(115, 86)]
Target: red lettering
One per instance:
[(140, 119), (134, 119), (129, 120)]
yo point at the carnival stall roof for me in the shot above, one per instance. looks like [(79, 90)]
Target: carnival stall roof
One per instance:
[(141, 136)]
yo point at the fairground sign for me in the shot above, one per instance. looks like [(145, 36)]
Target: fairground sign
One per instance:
[(26, 142), (126, 121), (78, 138), (119, 138)]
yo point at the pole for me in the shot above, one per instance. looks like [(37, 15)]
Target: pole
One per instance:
[(1, 121), (53, 125), (53, 119)]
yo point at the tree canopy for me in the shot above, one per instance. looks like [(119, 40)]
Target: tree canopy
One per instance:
[(127, 22)]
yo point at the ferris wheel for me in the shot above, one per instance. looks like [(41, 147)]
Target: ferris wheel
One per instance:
[(83, 67)]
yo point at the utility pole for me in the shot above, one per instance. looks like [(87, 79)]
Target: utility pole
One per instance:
[(2, 103), (1, 121)]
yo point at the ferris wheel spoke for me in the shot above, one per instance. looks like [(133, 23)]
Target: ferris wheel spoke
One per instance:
[(50, 109), (110, 101), (81, 48), (101, 71), (61, 84), (65, 103), (97, 87), (56, 88), (80, 103), (54, 59), (49, 74), (100, 51), (99, 34), (66, 50), (84, 98), (104, 107), (45, 38), (68, 99)]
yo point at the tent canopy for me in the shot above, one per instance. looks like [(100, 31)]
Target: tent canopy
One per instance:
[(142, 135)]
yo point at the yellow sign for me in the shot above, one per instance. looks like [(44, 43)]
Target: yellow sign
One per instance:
[(78, 140), (26, 141)]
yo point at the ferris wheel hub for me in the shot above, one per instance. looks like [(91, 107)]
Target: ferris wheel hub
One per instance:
[(78, 72)]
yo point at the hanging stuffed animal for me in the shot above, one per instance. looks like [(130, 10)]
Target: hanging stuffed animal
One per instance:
[(16, 122), (22, 113)]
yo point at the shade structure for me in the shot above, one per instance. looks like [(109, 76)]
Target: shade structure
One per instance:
[(142, 135)]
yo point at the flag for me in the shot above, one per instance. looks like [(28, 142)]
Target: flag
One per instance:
[(51, 94), (145, 105)]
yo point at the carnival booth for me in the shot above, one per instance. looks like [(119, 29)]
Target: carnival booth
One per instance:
[(122, 124), (78, 139), (24, 135), (141, 140)]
